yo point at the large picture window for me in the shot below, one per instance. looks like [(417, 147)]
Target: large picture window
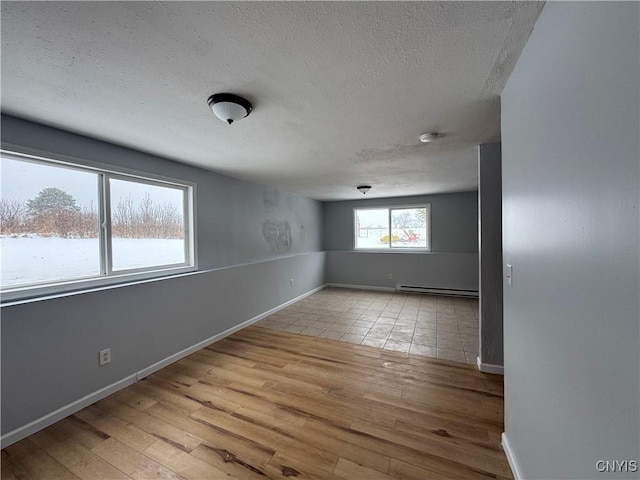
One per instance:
[(64, 225), (392, 228)]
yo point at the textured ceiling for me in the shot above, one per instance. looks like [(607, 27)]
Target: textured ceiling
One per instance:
[(341, 91)]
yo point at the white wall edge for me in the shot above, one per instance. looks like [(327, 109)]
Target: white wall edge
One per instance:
[(490, 368), (360, 287), (511, 458), (63, 412)]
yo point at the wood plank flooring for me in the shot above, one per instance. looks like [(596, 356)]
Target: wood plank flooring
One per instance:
[(267, 404)]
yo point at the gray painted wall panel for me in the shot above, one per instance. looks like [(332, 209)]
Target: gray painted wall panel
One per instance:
[(452, 263), (490, 235), (570, 123), (454, 217), (439, 270), (50, 347)]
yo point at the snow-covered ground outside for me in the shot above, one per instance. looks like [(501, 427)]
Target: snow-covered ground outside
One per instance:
[(34, 259)]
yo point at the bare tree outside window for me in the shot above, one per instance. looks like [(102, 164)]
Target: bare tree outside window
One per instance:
[(13, 217), (145, 211)]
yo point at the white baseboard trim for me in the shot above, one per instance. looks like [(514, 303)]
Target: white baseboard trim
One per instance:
[(62, 412), (57, 415), (511, 458), (489, 368), (360, 287)]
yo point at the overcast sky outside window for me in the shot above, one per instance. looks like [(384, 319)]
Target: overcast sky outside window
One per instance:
[(23, 181), (374, 218)]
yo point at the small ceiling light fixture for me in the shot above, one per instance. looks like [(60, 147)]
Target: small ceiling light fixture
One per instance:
[(363, 189), (428, 137), (229, 107)]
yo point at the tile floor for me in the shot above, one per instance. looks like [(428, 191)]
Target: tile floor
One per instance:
[(436, 326)]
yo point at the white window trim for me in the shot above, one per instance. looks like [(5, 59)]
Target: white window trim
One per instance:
[(391, 249), (107, 276)]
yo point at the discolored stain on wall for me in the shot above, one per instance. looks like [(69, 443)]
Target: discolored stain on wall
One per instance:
[(303, 233), (277, 233)]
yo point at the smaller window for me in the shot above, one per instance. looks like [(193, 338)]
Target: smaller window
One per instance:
[(398, 228)]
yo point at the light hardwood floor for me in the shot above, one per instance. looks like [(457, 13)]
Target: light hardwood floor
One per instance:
[(268, 404)]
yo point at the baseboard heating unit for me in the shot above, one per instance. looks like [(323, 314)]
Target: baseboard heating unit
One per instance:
[(450, 292)]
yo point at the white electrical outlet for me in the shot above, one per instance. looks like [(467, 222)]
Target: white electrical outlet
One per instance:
[(105, 356), (390, 276), (291, 282)]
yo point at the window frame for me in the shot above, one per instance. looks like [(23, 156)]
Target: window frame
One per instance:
[(390, 247), (107, 277)]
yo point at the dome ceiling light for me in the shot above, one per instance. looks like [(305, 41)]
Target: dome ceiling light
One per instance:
[(363, 189), (428, 137), (229, 107)]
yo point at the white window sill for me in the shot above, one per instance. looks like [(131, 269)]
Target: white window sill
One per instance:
[(78, 287), (389, 250)]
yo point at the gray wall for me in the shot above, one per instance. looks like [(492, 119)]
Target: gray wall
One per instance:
[(490, 239), (50, 346), (230, 214), (452, 263), (570, 123)]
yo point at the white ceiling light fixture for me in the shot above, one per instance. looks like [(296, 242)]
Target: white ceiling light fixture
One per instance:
[(363, 189), (428, 137), (229, 107)]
